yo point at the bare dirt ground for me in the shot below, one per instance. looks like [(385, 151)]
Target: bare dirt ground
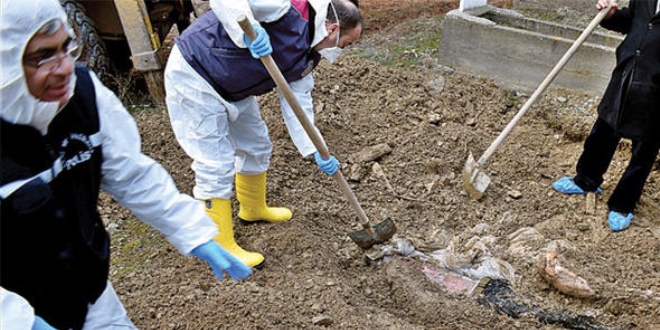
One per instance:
[(315, 277)]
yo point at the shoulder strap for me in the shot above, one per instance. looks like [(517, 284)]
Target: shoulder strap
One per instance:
[(85, 91), (46, 176)]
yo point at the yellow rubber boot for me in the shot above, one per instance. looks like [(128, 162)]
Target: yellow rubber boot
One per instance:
[(251, 194), (220, 211)]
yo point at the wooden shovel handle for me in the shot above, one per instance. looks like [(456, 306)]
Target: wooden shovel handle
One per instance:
[(307, 125), (539, 90)]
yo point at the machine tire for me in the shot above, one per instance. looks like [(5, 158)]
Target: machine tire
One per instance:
[(94, 54)]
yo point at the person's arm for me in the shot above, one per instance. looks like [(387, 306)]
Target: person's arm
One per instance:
[(228, 12), (620, 20), (302, 90), (141, 184)]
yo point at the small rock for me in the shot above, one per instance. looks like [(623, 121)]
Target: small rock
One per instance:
[(317, 308), (590, 203), (434, 118), (436, 86), (583, 226), (371, 153), (573, 235), (515, 194), (429, 187), (446, 181), (355, 173), (322, 320)]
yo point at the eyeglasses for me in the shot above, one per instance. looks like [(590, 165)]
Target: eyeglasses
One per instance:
[(52, 63)]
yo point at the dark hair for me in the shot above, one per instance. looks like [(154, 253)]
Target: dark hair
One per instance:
[(348, 12)]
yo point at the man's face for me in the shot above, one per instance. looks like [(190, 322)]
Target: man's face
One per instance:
[(352, 36), (49, 80)]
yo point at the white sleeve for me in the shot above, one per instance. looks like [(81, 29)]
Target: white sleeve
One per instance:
[(302, 89), (15, 312), (228, 12), (142, 185)]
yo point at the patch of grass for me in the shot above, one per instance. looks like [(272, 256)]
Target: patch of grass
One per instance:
[(134, 245), (131, 245), (411, 44), (382, 15), (407, 33), (553, 123)]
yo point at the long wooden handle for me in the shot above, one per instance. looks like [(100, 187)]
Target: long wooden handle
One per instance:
[(309, 128), (539, 90)]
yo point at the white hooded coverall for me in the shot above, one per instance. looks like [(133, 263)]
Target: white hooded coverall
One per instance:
[(224, 138), (134, 180)]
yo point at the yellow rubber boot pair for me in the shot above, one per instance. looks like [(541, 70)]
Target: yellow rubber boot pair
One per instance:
[(251, 194), (220, 211)]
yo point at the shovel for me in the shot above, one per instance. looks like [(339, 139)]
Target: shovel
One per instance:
[(474, 179), (370, 234)]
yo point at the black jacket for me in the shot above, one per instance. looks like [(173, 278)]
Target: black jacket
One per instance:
[(54, 250), (631, 103)]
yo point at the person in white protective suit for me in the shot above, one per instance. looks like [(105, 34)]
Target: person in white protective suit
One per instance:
[(212, 79), (64, 137)]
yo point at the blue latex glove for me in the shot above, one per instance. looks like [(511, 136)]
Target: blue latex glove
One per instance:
[(329, 166), (221, 261), (260, 46), (41, 324)]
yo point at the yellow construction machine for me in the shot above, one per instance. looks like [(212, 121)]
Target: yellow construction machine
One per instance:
[(127, 35)]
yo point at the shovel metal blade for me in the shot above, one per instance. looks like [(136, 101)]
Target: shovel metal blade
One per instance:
[(371, 235), (475, 181)]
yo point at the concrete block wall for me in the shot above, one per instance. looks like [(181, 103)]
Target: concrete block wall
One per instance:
[(581, 6), (519, 52), (544, 5)]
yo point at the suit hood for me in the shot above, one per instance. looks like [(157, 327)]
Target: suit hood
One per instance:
[(20, 20)]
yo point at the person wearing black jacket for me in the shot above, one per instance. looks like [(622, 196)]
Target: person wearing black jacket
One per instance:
[(630, 109)]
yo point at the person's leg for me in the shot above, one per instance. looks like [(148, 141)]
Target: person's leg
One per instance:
[(599, 148), (200, 119), (107, 312), (249, 134), (629, 189)]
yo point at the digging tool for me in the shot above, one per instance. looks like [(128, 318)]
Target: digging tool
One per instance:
[(370, 234), (474, 179)]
